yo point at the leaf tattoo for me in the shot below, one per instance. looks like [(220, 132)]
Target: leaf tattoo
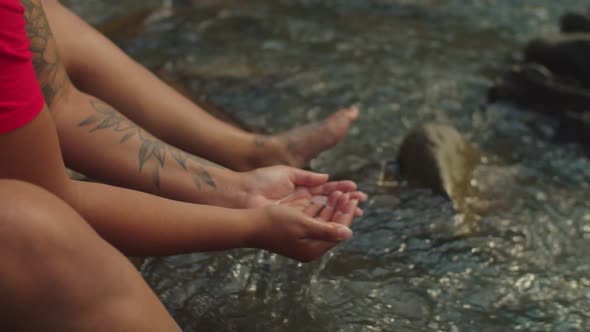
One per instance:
[(151, 149)]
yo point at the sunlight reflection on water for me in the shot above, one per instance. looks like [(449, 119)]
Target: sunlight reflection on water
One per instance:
[(279, 63)]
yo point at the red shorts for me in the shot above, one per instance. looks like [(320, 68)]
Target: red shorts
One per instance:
[(20, 95)]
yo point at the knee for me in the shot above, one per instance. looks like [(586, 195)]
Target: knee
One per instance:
[(51, 263), (25, 215), (27, 247), (35, 240)]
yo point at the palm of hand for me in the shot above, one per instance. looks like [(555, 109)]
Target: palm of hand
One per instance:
[(278, 185), (290, 197), (272, 186)]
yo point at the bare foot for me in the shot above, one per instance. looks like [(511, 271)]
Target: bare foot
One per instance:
[(298, 146)]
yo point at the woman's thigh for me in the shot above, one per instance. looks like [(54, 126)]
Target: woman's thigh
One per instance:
[(57, 274)]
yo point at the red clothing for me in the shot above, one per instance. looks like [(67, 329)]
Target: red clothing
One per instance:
[(20, 96)]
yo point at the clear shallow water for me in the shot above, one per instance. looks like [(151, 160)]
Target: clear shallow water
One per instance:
[(523, 265)]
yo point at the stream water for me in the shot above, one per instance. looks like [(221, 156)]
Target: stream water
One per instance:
[(277, 63)]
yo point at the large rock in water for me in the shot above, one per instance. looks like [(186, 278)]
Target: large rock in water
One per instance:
[(567, 56), (436, 156)]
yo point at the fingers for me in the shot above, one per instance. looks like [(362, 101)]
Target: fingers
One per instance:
[(338, 201), (335, 199), (345, 218), (336, 230), (306, 178), (342, 202), (326, 214), (326, 231), (359, 196), (353, 113), (344, 186), (323, 207), (327, 188), (329, 228), (312, 210), (358, 212)]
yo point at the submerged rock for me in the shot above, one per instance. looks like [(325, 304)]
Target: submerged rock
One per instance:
[(533, 85), (575, 127), (575, 22), (436, 156), (566, 56)]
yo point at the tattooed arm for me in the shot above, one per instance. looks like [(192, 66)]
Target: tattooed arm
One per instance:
[(97, 140), (100, 142), (142, 224), (134, 158), (101, 69), (50, 72), (98, 67)]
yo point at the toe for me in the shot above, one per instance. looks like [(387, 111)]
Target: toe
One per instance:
[(352, 113)]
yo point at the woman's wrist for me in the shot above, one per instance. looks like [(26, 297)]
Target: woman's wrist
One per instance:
[(245, 190), (257, 220), (229, 191)]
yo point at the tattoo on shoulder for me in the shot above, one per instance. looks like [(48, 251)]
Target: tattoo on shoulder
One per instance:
[(50, 72), (151, 150)]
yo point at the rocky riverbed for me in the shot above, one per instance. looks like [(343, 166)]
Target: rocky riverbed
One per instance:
[(520, 265)]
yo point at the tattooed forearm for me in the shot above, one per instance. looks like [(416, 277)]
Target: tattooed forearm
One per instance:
[(50, 72), (151, 149)]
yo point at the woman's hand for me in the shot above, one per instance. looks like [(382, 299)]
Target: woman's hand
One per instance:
[(303, 235), (282, 185)]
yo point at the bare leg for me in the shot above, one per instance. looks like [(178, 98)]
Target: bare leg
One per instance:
[(296, 147), (57, 274), (99, 68)]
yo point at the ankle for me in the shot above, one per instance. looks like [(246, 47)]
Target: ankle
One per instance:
[(265, 150)]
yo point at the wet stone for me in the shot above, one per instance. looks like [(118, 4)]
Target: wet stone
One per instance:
[(433, 58), (564, 55), (436, 156), (575, 127), (534, 86)]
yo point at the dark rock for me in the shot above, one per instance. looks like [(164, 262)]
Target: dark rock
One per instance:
[(575, 127), (533, 85), (575, 22), (436, 156), (566, 56)]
